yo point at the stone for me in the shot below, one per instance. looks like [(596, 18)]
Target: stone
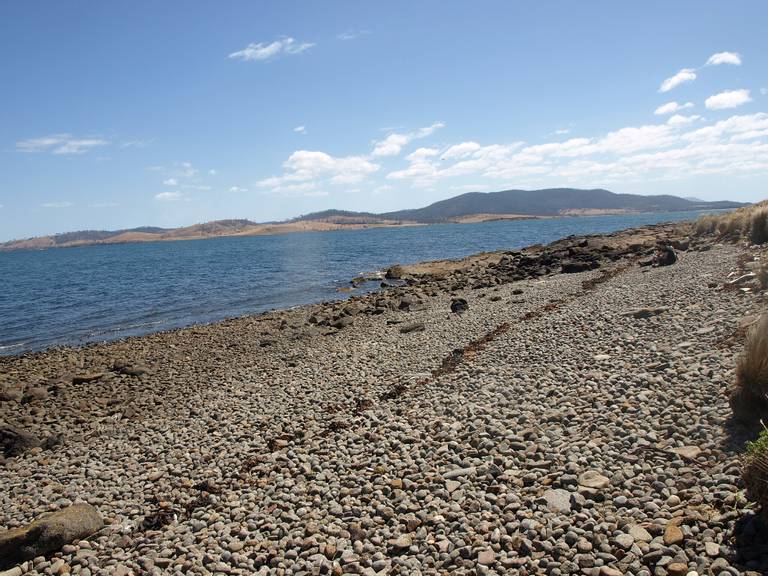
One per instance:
[(14, 441), (415, 327), (35, 394), (645, 312), (689, 452), (49, 533), (593, 479), (712, 549), (673, 535), (486, 558), (625, 541), (402, 542), (640, 534), (677, 569), (608, 571), (87, 377), (558, 500), (459, 305), (459, 472)]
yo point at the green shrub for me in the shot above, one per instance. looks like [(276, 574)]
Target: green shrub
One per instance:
[(754, 471)]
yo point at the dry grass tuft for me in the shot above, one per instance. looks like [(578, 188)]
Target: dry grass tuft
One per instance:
[(749, 400), (750, 222), (758, 226)]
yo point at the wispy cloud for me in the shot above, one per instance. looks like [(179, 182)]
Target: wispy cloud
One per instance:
[(728, 99), (170, 182), (60, 144), (352, 34), (261, 51), (683, 76), (733, 58), (60, 204), (671, 107), (300, 129), (237, 189), (393, 144), (169, 196)]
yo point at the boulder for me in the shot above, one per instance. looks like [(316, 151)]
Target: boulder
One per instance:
[(14, 442), (459, 305), (35, 394), (665, 256), (645, 312), (48, 533), (558, 500), (593, 479), (574, 266)]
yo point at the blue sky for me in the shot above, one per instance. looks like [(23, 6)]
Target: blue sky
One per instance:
[(120, 114)]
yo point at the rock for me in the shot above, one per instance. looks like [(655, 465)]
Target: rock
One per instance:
[(645, 312), (673, 535), (14, 441), (402, 542), (342, 322), (129, 369), (665, 256), (459, 472), (486, 558), (10, 395), (640, 534), (49, 533), (575, 266), (625, 541), (608, 571), (35, 394), (459, 305), (689, 452), (677, 569), (593, 479), (87, 377), (394, 273), (415, 327), (558, 500), (712, 549)]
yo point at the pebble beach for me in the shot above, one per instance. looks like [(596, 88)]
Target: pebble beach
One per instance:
[(557, 410)]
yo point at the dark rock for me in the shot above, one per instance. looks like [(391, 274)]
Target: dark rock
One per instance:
[(48, 533), (14, 441), (574, 266), (415, 327), (35, 394), (129, 369), (459, 305), (665, 256), (87, 377)]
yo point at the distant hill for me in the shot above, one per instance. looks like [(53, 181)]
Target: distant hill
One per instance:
[(550, 202), (471, 207)]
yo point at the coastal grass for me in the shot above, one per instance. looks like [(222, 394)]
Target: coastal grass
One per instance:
[(749, 223), (749, 400)]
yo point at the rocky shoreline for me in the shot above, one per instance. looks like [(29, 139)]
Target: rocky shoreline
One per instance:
[(556, 410)]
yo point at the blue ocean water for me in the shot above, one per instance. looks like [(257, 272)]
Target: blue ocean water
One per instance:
[(93, 293)]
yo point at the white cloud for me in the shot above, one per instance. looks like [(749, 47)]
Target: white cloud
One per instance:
[(393, 144), (352, 34), (60, 144), (562, 131), (169, 196), (671, 107), (460, 150), (680, 120), (171, 182), (262, 51), (300, 129), (305, 168), (63, 204), (683, 76), (727, 99), (237, 189), (383, 189), (763, 91), (733, 58), (213, 172), (422, 154)]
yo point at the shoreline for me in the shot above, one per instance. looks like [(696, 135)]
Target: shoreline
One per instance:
[(449, 425), (348, 293), (332, 227)]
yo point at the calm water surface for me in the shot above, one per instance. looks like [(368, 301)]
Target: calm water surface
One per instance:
[(92, 293)]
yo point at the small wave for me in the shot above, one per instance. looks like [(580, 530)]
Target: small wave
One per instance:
[(12, 346)]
